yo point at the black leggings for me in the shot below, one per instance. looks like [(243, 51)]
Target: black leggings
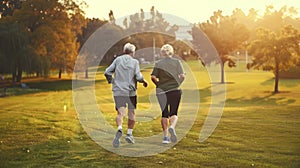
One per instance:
[(169, 102)]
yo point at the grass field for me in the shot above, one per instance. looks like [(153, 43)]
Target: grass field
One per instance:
[(257, 128)]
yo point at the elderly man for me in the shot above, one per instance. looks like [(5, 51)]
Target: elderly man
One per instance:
[(126, 73)]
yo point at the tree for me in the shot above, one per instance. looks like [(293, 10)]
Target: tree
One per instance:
[(249, 20), (276, 44), (14, 48), (52, 32), (95, 38), (149, 28), (111, 17), (225, 34), (182, 49), (91, 26), (7, 7), (275, 20), (14, 42), (275, 52)]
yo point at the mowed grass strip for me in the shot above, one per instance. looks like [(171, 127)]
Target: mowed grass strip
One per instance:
[(257, 128)]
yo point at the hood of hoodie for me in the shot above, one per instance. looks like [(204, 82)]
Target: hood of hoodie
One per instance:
[(125, 62)]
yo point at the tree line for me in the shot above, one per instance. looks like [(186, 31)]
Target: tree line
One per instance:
[(272, 40), (37, 36)]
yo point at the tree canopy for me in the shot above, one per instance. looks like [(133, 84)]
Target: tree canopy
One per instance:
[(226, 35), (38, 36), (275, 48), (47, 31)]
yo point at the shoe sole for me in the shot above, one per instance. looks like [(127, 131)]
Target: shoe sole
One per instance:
[(173, 137), (165, 142), (129, 140), (116, 142)]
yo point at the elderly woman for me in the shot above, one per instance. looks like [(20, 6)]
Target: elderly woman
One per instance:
[(168, 75)]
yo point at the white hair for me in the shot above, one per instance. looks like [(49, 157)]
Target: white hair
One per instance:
[(128, 47), (167, 50)]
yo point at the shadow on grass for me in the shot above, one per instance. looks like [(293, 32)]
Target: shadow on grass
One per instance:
[(47, 85), (222, 83), (59, 85), (282, 82), (259, 101), (53, 85)]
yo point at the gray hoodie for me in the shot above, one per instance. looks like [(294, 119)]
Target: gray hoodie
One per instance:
[(126, 72)]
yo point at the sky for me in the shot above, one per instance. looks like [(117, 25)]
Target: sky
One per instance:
[(192, 11)]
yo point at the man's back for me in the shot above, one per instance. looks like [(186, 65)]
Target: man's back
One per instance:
[(126, 73)]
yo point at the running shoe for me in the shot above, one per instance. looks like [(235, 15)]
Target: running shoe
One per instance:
[(116, 142), (166, 140), (129, 138), (173, 135)]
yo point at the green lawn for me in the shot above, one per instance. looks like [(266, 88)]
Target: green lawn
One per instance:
[(257, 128)]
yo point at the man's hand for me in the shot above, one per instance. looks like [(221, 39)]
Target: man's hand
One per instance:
[(108, 78)]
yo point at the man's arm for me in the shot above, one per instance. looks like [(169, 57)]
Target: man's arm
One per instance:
[(109, 78), (109, 71)]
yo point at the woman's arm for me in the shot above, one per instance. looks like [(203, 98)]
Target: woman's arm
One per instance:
[(154, 79), (181, 77)]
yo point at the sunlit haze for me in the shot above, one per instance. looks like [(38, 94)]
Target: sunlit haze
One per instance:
[(193, 11)]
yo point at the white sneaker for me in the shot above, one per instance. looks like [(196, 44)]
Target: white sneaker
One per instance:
[(129, 138)]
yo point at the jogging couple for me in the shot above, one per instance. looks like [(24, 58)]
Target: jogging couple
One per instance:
[(167, 75)]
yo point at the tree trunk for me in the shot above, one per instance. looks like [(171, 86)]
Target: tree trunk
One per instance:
[(86, 73), (13, 80), (19, 75), (59, 73), (222, 73), (3, 85), (276, 78)]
